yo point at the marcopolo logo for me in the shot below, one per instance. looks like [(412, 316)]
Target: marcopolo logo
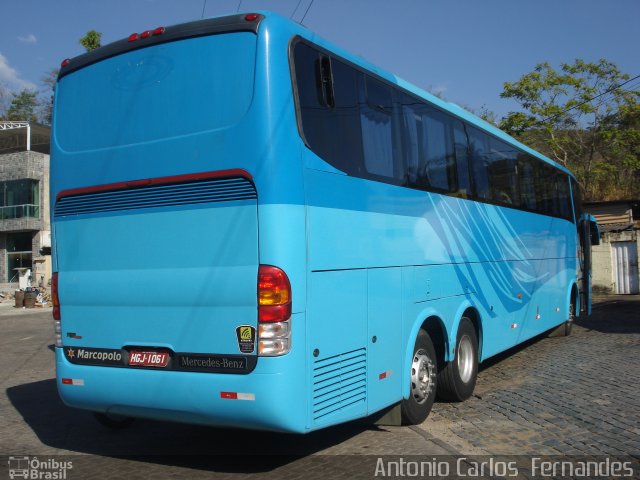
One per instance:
[(95, 356), (36, 469)]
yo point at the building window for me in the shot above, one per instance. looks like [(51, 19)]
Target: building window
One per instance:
[(19, 253), (19, 199)]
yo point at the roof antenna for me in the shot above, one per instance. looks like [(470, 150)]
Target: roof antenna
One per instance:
[(239, 4), (203, 7)]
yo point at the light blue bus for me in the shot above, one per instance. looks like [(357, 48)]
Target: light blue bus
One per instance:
[(254, 228)]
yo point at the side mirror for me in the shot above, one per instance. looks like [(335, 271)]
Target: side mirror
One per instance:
[(594, 230)]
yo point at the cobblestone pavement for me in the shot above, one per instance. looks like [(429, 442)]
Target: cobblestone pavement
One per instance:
[(575, 395), (34, 422), (563, 395)]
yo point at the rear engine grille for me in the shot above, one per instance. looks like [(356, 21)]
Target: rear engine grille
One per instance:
[(176, 194)]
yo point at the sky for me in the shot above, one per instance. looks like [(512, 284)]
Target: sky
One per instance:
[(463, 50)]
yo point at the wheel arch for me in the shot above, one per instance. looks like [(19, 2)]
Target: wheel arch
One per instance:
[(431, 322), (466, 309), (573, 293)]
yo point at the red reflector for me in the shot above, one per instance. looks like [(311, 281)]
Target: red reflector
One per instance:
[(274, 313), (67, 381), (54, 296), (133, 37), (251, 17), (159, 31), (146, 33), (65, 62), (229, 395)]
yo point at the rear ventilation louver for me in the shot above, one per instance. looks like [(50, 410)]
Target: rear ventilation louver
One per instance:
[(339, 382), (175, 194)]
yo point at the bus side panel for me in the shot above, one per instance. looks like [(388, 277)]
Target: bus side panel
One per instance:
[(548, 305), (337, 346), (385, 320)]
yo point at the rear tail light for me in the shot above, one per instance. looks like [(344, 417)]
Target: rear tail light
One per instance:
[(57, 325), (274, 311)]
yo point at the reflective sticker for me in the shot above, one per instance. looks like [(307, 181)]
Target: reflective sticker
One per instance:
[(73, 381), (246, 338), (237, 396), (384, 375)]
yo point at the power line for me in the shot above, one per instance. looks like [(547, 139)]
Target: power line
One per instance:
[(203, 7), (239, 4), (295, 9), (307, 11), (552, 117)]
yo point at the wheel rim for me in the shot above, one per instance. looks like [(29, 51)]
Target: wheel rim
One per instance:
[(466, 359), (422, 376)]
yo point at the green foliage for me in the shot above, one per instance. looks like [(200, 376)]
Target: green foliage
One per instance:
[(91, 40), (23, 107), (583, 119)]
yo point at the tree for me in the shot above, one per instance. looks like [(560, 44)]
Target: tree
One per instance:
[(91, 40), (570, 114), (4, 100), (45, 102), (23, 106)]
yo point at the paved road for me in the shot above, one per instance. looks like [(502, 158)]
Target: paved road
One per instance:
[(576, 395)]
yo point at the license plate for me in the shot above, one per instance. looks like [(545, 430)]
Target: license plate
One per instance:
[(148, 359)]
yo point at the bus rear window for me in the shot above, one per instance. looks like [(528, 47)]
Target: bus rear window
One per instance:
[(162, 91)]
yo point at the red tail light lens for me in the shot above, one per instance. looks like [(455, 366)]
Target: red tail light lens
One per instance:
[(54, 296), (274, 294)]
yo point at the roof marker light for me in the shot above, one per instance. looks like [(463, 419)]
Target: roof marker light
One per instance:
[(251, 17), (158, 31), (65, 62), (146, 33), (133, 37)]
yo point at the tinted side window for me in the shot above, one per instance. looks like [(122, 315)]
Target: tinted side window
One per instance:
[(330, 119), (503, 180), (480, 157), (461, 149), (563, 198), (577, 199), (527, 180), (376, 119), (545, 188), (428, 140)]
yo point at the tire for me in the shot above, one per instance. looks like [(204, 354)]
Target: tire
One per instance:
[(423, 380), (564, 329), (457, 379), (114, 422)]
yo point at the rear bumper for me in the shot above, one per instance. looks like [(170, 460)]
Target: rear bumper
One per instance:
[(265, 400)]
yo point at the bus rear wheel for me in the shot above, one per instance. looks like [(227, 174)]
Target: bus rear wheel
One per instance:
[(114, 422), (564, 329), (424, 367), (457, 379)]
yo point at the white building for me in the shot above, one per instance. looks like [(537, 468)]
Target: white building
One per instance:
[(615, 260)]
